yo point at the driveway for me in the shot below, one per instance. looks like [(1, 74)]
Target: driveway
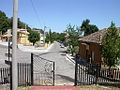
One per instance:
[(64, 68)]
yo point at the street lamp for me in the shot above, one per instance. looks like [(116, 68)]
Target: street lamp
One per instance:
[(44, 34)]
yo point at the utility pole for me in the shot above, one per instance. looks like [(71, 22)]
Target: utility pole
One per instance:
[(14, 46), (25, 27), (44, 34)]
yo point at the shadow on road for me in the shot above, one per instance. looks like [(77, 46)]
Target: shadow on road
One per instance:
[(66, 78), (63, 54)]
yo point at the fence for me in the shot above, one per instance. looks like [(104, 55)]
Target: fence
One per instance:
[(86, 74), (109, 76), (43, 71), (24, 75), (4, 75)]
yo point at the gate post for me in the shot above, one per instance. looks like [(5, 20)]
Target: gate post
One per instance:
[(53, 73), (31, 68), (97, 73), (76, 69), (11, 76)]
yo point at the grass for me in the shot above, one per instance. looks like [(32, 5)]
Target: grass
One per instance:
[(24, 88), (97, 87)]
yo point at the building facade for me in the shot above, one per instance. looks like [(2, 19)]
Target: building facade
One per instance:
[(90, 46)]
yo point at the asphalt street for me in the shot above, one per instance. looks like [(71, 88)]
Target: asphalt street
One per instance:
[(22, 57), (64, 69)]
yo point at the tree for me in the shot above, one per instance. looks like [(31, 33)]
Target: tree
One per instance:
[(33, 37), (73, 36), (88, 28), (49, 37), (4, 22), (61, 37), (111, 47)]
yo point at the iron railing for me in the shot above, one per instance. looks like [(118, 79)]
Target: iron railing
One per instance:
[(43, 71), (86, 74)]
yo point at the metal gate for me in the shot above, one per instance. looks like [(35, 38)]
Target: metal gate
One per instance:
[(85, 73), (43, 71)]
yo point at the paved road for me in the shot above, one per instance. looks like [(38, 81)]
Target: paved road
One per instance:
[(64, 68), (22, 57)]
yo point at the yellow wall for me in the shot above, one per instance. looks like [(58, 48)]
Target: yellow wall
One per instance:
[(23, 39)]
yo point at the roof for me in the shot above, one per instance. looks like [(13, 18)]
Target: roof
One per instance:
[(95, 37)]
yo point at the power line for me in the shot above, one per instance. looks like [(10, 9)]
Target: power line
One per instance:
[(34, 9)]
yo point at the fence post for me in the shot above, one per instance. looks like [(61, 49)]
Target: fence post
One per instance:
[(76, 69), (11, 76), (97, 73), (53, 73), (31, 68)]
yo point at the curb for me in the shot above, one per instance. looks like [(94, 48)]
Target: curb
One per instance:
[(70, 58)]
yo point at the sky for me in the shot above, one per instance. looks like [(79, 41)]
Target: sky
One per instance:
[(57, 14)]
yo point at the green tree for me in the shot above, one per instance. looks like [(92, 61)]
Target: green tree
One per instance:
[(111, 47), (61, 37), (33, 37), (73, 36), (49, 37), (4, 22), (88, 28)]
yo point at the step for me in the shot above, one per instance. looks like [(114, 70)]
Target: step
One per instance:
[(53, 88)]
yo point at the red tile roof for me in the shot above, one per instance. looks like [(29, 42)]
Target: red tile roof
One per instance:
[(95, 37)]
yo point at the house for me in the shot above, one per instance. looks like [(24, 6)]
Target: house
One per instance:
[(90, 46), (5, 36), (23, 37)]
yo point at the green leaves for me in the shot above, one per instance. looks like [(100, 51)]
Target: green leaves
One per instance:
[(88, 28), (6, 23), (33, 37), (111, 46)]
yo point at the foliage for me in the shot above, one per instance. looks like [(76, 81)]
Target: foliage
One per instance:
[(73, 36), (88, 28), (62, 37), (54, 36), (111, 46), (6, 23), (33, 37), (76, 49), (47, 38)]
